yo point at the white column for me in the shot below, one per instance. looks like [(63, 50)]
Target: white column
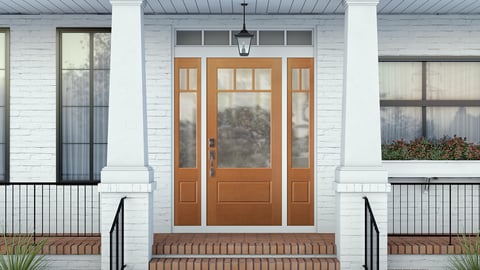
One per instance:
[(360, 173), (127, 172)]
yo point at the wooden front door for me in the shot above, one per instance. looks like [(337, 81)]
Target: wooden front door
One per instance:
[(244, 112)]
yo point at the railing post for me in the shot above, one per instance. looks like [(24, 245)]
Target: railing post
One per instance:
[(450, 214), (366, 231), (34, 213)]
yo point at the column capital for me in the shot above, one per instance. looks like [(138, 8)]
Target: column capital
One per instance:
[(360, 2), (126, 2)]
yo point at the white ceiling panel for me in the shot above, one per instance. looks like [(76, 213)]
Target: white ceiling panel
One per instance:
[(308, 6), (234, 7)]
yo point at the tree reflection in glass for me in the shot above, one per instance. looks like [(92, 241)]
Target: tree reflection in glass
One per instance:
[(243, 130)]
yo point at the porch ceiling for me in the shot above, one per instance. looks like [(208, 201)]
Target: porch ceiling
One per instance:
[(233, 7)]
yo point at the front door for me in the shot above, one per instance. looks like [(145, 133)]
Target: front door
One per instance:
[(244, 150)]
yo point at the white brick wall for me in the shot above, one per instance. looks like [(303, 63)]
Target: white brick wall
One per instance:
[(73, 262), (418, 262)]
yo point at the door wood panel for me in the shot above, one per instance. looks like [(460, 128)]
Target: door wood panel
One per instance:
[(244, 141)]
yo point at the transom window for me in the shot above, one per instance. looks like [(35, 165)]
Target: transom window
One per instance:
[(430, 99), (226, 37), (84, 68), (4, 105)]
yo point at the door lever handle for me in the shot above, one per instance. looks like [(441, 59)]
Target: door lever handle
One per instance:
[(211, 142), (212, 155), (212, 172)]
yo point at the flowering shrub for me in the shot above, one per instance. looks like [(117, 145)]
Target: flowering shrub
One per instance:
[(456, 148)]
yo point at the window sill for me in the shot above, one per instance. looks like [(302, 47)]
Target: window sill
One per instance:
[(432, 168)]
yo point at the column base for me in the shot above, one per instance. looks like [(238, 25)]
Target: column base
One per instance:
[(352, 184)]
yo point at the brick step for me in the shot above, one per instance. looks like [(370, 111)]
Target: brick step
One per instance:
[(244, 244), (244, 263)]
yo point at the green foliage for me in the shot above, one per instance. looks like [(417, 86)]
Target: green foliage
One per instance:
[(470, 259), (20, 253), (456, 148)]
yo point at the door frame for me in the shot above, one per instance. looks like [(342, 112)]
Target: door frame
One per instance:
[(283, 52)]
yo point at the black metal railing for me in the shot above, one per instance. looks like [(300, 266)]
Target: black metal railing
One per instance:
[(440, 209), (117, 261), (372, 239), (46, 209)]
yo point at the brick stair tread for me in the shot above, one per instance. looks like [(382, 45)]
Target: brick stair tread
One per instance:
[(244, 244), (244, 263), (64, 245)]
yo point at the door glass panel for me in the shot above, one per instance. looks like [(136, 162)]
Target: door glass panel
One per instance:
[(183, 79), (300, 130), (263, 79), (192, 79), (244, 79), (305, 79), (243, 130), (295, 79), (188, 130), (225, 79)]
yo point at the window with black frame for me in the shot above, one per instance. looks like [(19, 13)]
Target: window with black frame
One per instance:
[(4, 105), (84, 68), (430, 99)]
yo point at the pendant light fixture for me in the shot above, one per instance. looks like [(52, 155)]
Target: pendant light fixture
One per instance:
[(244, 38)]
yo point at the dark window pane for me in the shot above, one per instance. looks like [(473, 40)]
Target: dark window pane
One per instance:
[(99, 159), (450, 121), (100, 124), (76, 164), (401, 123), (2, 50), (2, 87), (400, 80), (75, 87), (299, 37), (101, 50), (76, 127), (75, 50), (101, 81), (79, 84), (2, 125), (2, 161), (272, 38), (189, 37), (216, 38), (453, 80)]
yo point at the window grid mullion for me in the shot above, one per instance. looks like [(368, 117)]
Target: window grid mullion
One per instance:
[(424, 99), (91, 85)]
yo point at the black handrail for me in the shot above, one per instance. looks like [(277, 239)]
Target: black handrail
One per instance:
[(434, 209), (49, 208), (117, 256), (372, 239)]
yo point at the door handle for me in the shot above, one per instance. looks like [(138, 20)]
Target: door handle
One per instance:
[(211, 142), (212, 158)]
